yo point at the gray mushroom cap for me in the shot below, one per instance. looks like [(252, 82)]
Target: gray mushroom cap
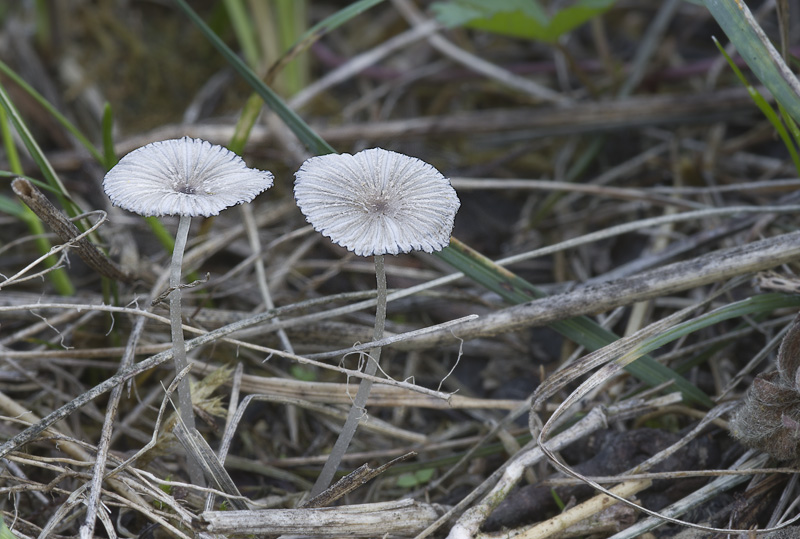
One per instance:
[(377, 202), (184, 176)]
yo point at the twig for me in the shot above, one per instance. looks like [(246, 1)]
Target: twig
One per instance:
[(403, 517), (355, 479), (713, 267), (68, 232), (477, 64)]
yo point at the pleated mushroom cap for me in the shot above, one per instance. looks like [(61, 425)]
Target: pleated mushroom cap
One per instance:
[(183, 177), (377, 202)]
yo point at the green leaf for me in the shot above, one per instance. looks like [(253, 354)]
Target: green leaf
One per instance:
[(301, 372), (518, 18), (415, 479)]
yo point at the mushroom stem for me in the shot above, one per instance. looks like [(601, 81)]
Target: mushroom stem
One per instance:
[(358, 409), (178, 346)]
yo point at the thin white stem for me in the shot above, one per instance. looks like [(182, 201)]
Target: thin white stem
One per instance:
[(178, 345), (357, 410)]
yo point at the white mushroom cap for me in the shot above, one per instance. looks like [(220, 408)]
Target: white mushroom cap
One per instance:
[(183, 177), (377, 202)]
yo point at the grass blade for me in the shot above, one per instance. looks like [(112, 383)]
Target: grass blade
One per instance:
[(69, 126), (58, 277), (299, 127), (759, 53), (582, 330), (37, 154), (764, 303), (767, 110), (109, 155)]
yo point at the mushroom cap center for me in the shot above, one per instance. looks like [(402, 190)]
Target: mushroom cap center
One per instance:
[(379, 205)]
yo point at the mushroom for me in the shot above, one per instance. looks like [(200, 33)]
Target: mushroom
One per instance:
[(185, 177), (375, 202)]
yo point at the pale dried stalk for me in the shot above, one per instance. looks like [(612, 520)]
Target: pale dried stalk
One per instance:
[(477, 64), (576, 514), (509, 475), (705, 493), (121, 377), (362, 61), (403, 517), (373, 424), (580, 117), (503, 480), (710, 268)]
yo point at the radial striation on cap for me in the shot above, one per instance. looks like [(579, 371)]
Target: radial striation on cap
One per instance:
[(184, 176), (377, 202)]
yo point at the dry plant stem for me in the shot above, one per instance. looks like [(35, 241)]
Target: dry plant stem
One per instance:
[(266, 297), (621, 354), (93, 502), (505, 478), (400, 517), (705, 493), (578, 513), (121, 377), (67, 231), (261, 275), (362, 61), (582, 117), (115, 477), (477, 64), (98, 472), (357, 410), (709, 268)]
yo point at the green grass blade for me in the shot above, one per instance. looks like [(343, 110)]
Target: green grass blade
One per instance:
[(582, 330), (10, 207), (69, 126), (755, 48), (247, 119), (12, 156), (318, 30), (58, 277), (337, 19), (766, 109), (791, 125), (243, 28), (300, 128), (764, 303), (109, 155), (5, 533), (291, 16), (36, 153)]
